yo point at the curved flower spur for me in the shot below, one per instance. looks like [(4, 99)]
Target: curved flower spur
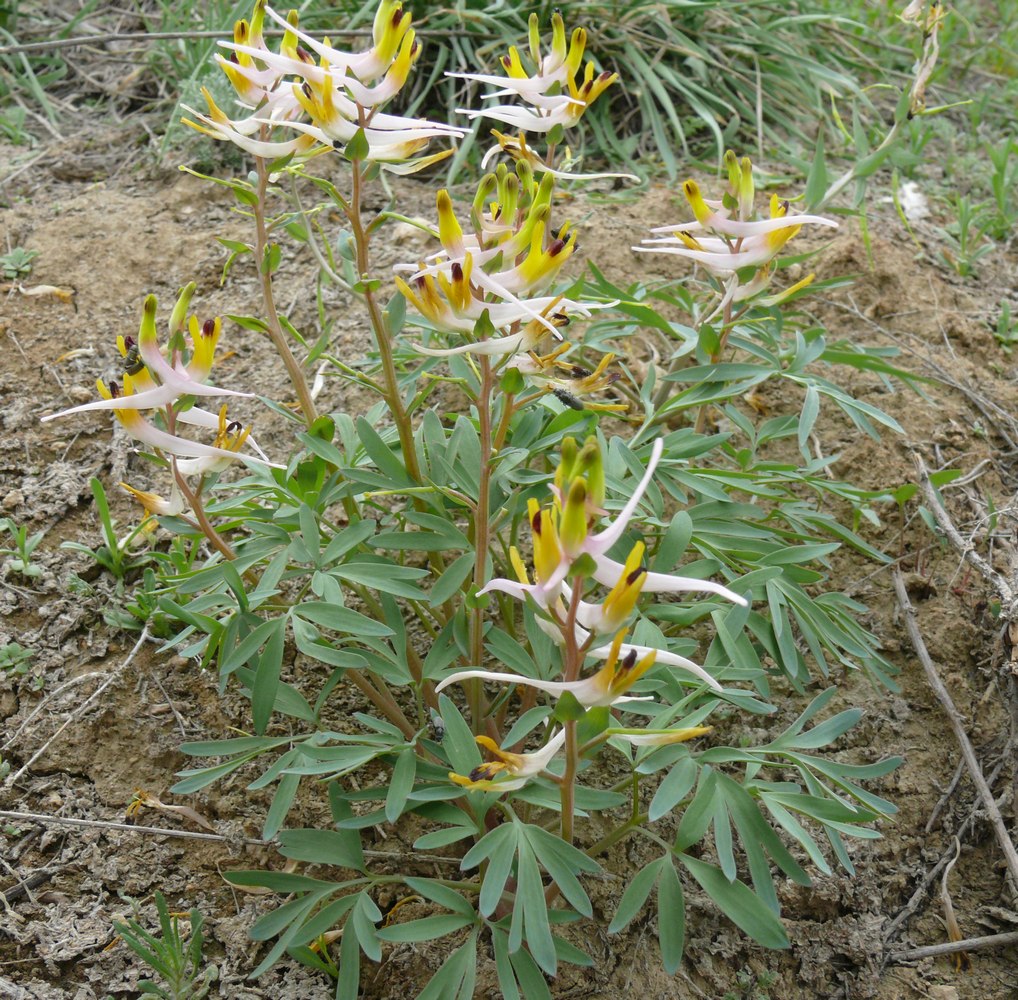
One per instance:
[(168, 386), (565, 548), (341, 94)]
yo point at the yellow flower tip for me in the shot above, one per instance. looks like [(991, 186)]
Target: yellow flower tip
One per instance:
[(488, 743), (616, 646), (668, 738), (547, 551), (449, 230), (577, 45), (573, 529), (622, 598), (701, 210), (151, 502), (690, 733), (518, 566)]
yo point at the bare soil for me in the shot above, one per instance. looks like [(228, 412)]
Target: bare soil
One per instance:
[(113, 232)]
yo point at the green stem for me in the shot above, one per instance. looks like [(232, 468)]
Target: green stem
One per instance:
[(273, 327), (726, 329), (633, 823), (573, 657), (482, 529), (380, 329)]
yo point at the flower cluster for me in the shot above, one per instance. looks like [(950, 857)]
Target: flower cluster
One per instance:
[(563, 535), (566, 548), (168, 386), (490, 280), (729, 240), (555, 95), (341, 93)]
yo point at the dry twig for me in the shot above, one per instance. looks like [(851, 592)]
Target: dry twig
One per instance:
[(102, 824), (81, 709), (953, 715), (964, 546), (971, 944)]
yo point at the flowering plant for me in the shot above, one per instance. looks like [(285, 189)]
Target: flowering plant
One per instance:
[(510, 574)]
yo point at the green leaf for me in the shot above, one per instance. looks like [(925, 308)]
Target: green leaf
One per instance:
[(425, 929), (400, 784), (459, 740), (450, 582), (442, 838), (340, 848), (512, 381), (673, 789), (357, 148), (562, 861), (529, 975), (816, 182), (530, 898), (348, 985), (286, 791), (266, 677), (384, 576), (246, 649), (340, 619), (636, 894), (499, 847), (671, 917), (739, 903), (568, 708), (808, 418), (270, 259), (347, 539), (386, 461)]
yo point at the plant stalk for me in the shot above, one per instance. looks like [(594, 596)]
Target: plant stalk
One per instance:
[(273, 326)]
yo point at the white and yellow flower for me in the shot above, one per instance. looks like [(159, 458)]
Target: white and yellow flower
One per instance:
[(727, 239), (508, 771)]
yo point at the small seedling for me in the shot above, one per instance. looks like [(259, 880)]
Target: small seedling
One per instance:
[(1006, 332), (966, 237), (15, 657), (174, 957), (115, 555), (24, 545), (17, 661), (18, 262)]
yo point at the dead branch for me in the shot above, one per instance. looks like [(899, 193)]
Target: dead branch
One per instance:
[(155, 831), (954, 716), (949, 947), (964, 547)]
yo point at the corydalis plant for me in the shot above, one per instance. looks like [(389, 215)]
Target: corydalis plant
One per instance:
[(416, 551)]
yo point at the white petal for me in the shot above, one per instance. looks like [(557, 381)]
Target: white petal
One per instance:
[(663, 656), (608, 572), (607, 538)]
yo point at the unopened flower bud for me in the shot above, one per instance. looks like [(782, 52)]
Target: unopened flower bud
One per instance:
[(573, 527)]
